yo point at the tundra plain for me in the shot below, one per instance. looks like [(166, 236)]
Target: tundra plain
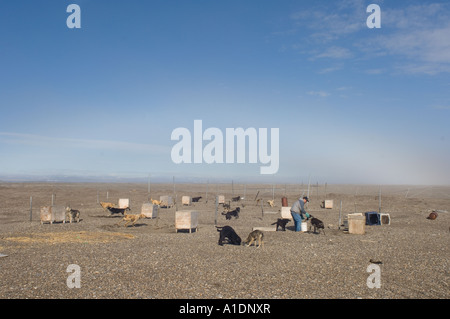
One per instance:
[(152, 260)]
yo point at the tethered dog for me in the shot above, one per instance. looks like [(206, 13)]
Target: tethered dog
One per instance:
[(232, 213), (227, 232), (317, 224), (281, 222)]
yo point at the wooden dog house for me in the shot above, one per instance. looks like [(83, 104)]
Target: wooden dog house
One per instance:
[(166, 201), (149, 210), (186, 200), (286, 213), (186, 219)]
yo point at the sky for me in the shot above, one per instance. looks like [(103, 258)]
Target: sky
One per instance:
[(352, 104)]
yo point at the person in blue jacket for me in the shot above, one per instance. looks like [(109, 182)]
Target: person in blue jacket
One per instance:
[(299, 213)]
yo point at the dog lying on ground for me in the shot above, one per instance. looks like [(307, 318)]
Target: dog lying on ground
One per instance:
[(196, 199), (228, 235), (281, 222), (114, 210), (254, 236), (72, 214), (106, 205), (131, 218), (317, 224), (234, 213), (236, 199)]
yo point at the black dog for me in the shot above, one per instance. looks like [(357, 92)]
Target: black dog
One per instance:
[(227, 232), (281, 222), (196, 199), (317, 224), (233, 213), (114, 210), (236, 199)]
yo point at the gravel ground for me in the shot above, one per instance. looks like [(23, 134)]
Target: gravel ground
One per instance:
[(152, 260)]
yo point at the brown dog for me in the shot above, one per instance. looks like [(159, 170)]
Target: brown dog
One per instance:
[(131, 218)]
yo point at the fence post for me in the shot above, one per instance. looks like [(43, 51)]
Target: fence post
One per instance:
[(31, 208)]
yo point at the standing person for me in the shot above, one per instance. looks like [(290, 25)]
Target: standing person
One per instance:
[(298, 212)]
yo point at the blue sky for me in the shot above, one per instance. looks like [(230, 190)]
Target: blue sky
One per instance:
[(353, 104)]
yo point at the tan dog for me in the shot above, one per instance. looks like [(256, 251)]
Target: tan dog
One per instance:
[(155, 202), (270, 202), (107, 205), (131, 218), (252, 237)]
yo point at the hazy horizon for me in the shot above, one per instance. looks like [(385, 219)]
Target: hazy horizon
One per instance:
[(353, 104)]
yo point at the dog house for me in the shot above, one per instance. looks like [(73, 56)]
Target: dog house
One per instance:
[(166, 201), (372, 218), (46, 215), (327, 204), (50, 214), (124, 202), (356, 223), (186, 200), (286, 213), (58, 213), (186, 219), (385, 219), (221, 199), (149, 210)]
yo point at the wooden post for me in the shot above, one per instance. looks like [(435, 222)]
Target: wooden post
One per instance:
[(256, 195), (262, 209)]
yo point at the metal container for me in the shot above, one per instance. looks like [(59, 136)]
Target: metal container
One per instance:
[(284, 202), (432, 216)]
